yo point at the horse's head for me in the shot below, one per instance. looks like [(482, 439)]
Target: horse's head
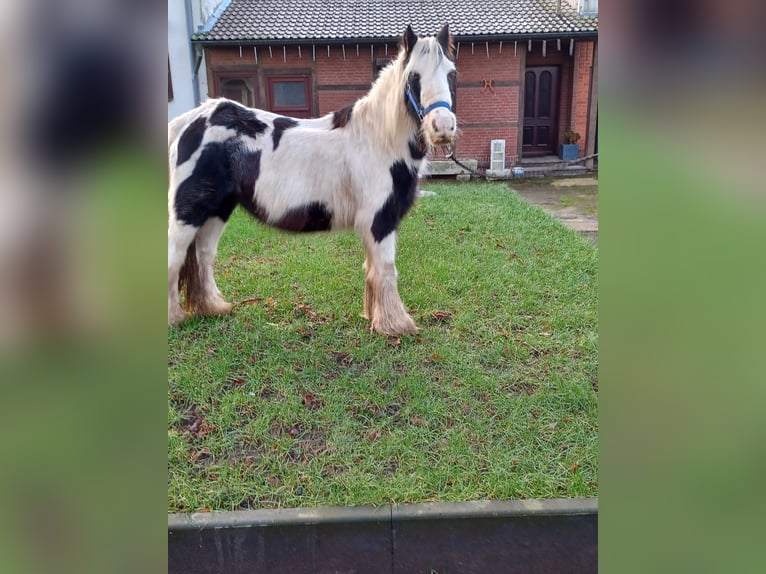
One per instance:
[(430, 82)]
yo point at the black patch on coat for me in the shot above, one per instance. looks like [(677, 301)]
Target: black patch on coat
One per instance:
[(405, 184), (310, 217), (211, 189), (408, 41), (414, 83), (191, 139), (418, 146), (447, 42), (341, 117), (247, 168), (280, 125), (239, 118)]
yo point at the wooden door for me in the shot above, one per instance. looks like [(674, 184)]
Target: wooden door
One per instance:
[(541, 88)]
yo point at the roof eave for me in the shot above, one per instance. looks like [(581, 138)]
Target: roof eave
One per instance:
[(579, 34)]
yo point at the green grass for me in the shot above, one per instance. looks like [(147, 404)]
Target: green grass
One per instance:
[(292, 402)]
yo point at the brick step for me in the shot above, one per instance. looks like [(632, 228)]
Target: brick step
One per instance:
[(554, 169)]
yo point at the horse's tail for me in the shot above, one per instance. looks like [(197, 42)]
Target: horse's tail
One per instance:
[(189, 281)]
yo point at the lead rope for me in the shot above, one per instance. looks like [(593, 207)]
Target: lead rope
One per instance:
[(451, 155)]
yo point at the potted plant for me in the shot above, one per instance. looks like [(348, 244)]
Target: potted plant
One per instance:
[(569, 149)]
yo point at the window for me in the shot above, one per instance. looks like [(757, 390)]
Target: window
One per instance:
[(240, 87), (170, 83), (289, 95), (588, 7)]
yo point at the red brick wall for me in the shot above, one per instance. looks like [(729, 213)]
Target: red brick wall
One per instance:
[(581, 87), (483, 113)]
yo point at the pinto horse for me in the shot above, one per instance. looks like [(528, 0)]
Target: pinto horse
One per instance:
[(355, 168)]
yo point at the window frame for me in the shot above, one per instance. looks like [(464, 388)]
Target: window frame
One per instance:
[(289, 110), (219, 75)]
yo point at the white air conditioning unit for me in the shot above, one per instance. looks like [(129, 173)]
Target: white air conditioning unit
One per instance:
[(497, 155), (497, 161)]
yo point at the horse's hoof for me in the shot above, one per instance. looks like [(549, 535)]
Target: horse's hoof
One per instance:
[(389, 326), (216, 308), (176, 317)]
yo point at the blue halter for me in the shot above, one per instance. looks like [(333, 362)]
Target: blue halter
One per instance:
[(421, 112)]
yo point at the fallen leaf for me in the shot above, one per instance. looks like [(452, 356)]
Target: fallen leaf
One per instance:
[(199, 455), (343, 358), (295, 432), (433, 358), (312, 401), (417, 421), (373, 435), (303, 308), (574, 467), (441, 315)]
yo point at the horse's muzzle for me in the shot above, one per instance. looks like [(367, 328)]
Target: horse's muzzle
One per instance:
[(441, 127)]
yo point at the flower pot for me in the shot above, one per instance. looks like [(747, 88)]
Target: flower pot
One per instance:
[(569, 151)]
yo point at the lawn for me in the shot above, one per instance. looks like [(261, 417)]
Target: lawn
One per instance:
[(291, 401)]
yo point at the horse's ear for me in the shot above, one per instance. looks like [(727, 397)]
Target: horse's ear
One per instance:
[(408, 39), (446, 41)]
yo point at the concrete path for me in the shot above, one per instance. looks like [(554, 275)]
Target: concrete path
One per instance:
[(573, 200)]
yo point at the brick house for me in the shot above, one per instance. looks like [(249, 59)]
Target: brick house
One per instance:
[(526, 68)]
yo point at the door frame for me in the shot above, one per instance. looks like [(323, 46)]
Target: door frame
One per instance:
[(555, 112)]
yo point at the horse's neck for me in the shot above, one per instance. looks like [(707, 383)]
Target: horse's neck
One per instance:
[(382, 116)]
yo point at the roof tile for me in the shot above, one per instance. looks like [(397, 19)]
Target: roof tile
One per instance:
[(381, 19)]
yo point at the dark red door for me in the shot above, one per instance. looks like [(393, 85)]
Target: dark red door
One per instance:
[(541, 88)]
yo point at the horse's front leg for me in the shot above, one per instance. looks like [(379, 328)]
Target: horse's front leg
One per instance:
[(382, 304)]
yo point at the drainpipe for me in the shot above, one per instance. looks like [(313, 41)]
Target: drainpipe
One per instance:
[(192, 51)]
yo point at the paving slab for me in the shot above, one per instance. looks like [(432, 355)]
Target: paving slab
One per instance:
[(574, 201), (574, 182)]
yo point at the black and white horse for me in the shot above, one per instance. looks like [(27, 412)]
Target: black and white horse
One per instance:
[(355, 168)]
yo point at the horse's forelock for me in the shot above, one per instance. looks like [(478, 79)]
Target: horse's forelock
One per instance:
[(425, 49)]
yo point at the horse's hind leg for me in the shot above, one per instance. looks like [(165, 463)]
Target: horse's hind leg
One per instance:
[(210, 301), (382, 304), (180, 240)]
